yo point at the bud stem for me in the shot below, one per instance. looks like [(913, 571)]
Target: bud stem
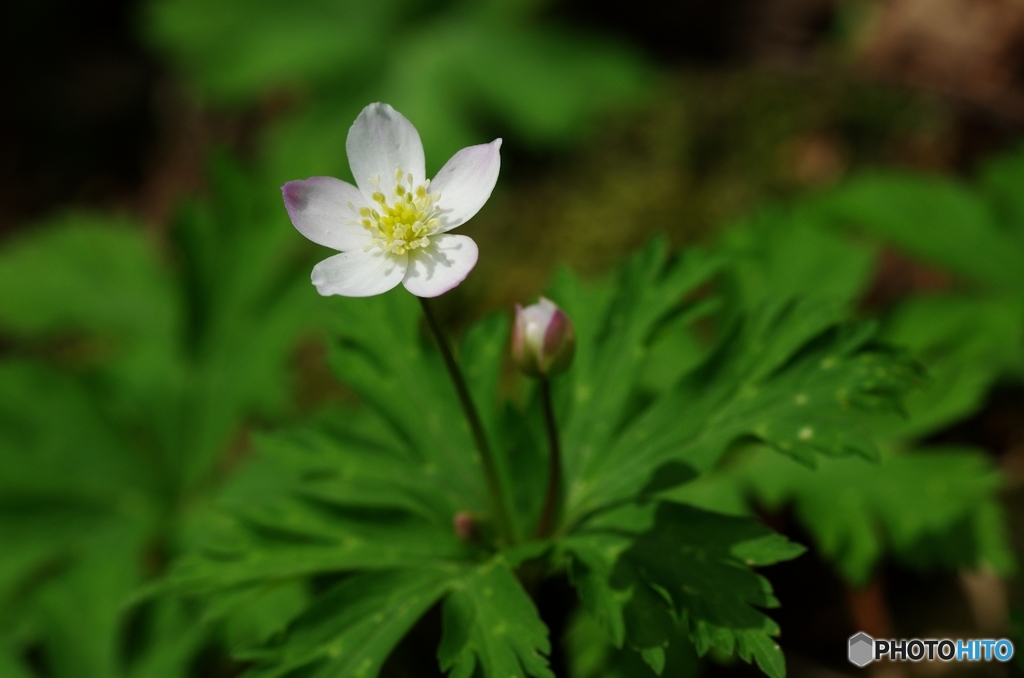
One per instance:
[(553, 497), (501, 516)]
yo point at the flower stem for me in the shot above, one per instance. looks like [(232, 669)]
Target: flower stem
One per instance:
[(476, 427), (553, 497)]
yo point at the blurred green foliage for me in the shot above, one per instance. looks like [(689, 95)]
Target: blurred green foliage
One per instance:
[(130, 370), (461, 70)]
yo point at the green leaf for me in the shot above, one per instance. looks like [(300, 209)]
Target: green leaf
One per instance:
[(966, 344), (933, 218), (85, 273), (482, 357), (10, 666), (317, 501), (786, 253), (690, 568), (1001, 179), (590, 655), (237, 51), (352, 460), (249, 302), (81, 610), (66, 450), (932, 507), (174, 642), (382, 355), (615, 321), (351, 629), (542, 82), (517, 436), (492, 627), (306, 539), (75, 513), (786, 376)]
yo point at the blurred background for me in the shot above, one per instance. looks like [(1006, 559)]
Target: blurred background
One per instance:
[(142, 146)]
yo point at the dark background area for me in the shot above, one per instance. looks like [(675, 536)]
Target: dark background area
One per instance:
[(88, 114)]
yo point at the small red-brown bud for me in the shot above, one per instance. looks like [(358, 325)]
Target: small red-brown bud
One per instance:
[(464, 525)]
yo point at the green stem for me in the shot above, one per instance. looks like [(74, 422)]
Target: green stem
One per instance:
[(476, 427), (553, 497)]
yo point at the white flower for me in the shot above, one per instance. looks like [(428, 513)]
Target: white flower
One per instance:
[(394, 227)]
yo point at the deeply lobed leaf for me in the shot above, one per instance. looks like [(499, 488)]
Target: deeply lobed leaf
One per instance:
[(491, 624), (690, 568)]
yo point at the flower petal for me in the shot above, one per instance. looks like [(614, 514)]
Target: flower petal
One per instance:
[(318, 208), (466, 181), (436, 269), (380, 141), (359, 273)]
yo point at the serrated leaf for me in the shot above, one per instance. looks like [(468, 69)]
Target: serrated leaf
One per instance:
[(491, 627), (309, 537), (691, 568), (615, 325), (382, 355), (354, 460), (319, 501), (786, 376), (349, 631), (590, 655), (931, 507)]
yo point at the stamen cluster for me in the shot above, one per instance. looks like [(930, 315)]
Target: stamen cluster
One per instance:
[(404, 223)]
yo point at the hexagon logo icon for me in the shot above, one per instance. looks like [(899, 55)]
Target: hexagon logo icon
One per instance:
[(862, 649)]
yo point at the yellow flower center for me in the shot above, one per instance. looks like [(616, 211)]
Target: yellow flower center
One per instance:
[(405, 221)]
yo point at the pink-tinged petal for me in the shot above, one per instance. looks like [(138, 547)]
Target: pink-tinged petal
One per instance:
[(359, 273), (319, 209), (380, 141), (466, 181), (436, 269), (555, 333)]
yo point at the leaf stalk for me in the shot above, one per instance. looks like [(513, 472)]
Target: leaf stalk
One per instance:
[(501, 515), (553, 496)]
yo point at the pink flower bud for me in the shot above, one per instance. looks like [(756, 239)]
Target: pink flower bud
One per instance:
[(543, 339)]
